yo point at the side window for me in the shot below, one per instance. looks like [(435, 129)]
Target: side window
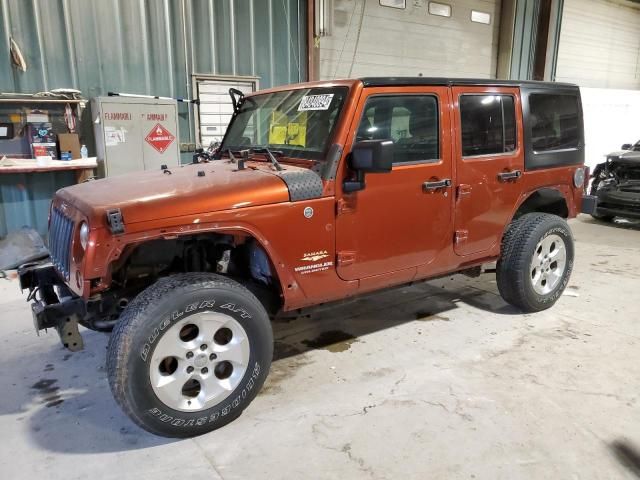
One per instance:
[(488, 124), (554, 121), (411, 121)]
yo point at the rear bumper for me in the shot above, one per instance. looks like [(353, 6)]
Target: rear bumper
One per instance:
[(589, 204), (53, 305)]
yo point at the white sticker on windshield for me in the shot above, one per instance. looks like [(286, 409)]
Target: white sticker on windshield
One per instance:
[(315, 102)]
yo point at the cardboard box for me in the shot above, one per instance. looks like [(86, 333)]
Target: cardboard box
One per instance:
[(69, 142)]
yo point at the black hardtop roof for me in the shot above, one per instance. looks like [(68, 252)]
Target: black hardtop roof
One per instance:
[(418, 81)]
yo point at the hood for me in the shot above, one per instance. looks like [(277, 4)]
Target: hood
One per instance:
[(631, 157), (150, 195)]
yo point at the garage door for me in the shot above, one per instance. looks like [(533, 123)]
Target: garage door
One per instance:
[(215, 110), (600, 44), (458, 39)]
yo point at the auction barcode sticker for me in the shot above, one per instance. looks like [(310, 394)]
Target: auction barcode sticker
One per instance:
[(315, 102)]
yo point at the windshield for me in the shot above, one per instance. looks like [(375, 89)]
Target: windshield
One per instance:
[(299, 123)]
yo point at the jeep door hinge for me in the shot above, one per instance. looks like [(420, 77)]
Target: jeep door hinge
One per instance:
[(342, 207), (345, 258), (461, 236)]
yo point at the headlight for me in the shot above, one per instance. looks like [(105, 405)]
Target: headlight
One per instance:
[(578, 177), (84, 235)]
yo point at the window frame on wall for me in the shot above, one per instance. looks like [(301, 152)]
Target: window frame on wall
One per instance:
[(433, 96), (504, 152), (232, 80)]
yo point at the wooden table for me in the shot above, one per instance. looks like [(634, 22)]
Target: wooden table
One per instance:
[(84, 167)]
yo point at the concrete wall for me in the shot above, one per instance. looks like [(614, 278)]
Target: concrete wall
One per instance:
[(600, 44), (368, 39), (611, 118)]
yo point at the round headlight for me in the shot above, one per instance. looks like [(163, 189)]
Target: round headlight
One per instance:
[(84, 235), (578, 177)]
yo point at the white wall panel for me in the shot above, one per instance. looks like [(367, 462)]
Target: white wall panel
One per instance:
[(600, 44), (368, 39)]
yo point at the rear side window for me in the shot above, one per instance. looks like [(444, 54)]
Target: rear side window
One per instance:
[(411, 121), (488, 124), (554, 121)]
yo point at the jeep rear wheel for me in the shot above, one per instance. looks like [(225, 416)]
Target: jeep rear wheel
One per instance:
[(535, 262), (189, 354)]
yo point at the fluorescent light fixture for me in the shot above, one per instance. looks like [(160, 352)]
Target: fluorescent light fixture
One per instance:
[(394, 3), (439, 9), (322, 18), (480, 17)]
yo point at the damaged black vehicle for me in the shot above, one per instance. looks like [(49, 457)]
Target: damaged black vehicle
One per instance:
[(615, 186)]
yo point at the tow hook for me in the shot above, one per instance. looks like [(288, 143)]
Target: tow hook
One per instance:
[(69, 334)]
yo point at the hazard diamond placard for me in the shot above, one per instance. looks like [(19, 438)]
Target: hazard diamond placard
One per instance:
[(159, 138)]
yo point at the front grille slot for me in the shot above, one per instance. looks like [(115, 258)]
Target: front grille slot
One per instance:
[(60, 233)]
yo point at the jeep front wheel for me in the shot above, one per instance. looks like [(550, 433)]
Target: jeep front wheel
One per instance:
[(189, 354), (535, 262)]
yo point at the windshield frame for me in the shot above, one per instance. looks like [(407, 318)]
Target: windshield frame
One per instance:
[(294, 153)]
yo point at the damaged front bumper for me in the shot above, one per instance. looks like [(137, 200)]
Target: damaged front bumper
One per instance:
[(612, 203), (53, 305)]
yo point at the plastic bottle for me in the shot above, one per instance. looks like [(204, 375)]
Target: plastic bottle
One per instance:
[(84, 153)]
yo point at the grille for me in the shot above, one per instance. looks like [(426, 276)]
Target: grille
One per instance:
[(60, 232)]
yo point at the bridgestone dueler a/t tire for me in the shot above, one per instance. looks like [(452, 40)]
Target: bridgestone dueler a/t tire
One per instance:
[(513, 272), (145, 321)]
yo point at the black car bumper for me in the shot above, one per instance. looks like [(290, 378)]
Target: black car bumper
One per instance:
[(53, 304), (613, 204)]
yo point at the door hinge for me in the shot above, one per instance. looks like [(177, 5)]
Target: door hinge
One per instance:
[(462, 190), (345, 258), (342, 207), (461, 236)]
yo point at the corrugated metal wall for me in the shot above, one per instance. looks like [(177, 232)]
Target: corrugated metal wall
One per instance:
[(600, 44), (150, 46), (147, 47), (25, 198)]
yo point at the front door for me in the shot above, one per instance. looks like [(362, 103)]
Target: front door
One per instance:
[(489, 163), (403, 218)]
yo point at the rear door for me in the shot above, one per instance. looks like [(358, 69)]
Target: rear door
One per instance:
[(489, 164), (402, 219)]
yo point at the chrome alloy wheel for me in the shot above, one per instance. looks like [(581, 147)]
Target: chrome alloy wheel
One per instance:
[(548, 264), (199, 361)]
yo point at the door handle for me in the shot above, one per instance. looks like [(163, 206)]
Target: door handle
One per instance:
[(432, 186), (512, 175)]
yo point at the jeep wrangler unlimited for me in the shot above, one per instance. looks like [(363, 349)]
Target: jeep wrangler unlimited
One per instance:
[(318, 192)]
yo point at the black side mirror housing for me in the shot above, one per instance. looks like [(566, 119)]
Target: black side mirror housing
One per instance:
[(627, 146), (368, 156), (372, 156)]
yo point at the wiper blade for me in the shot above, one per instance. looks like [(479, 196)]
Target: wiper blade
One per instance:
[(272, 156)]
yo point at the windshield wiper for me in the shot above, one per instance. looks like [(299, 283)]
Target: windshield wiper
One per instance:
[(272, 156)]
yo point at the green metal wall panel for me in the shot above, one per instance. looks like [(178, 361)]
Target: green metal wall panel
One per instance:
[(25, 199), (145, 47), (149, 47)]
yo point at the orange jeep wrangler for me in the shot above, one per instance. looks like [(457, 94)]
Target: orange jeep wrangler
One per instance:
[(318, 192)]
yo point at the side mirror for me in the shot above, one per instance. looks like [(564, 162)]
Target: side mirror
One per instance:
[(372, 156), (626, 146), (368, 156)]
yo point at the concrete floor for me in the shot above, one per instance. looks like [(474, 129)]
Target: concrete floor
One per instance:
[(439, 381)]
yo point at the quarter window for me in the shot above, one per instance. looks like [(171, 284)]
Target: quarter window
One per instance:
[(488, 124), (411, 121), (554, 121)]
